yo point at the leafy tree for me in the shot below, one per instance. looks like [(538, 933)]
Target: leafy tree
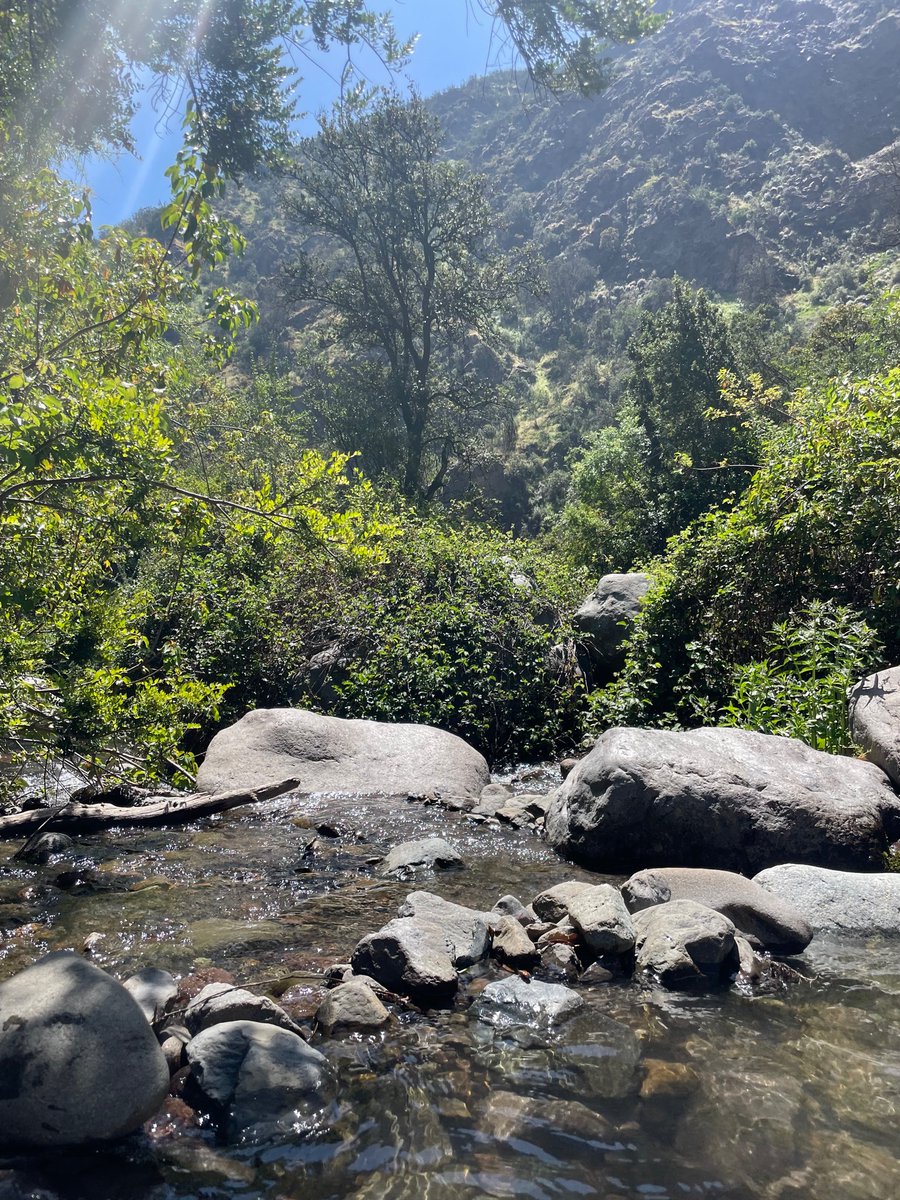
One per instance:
[(416, 283), (675, 450)]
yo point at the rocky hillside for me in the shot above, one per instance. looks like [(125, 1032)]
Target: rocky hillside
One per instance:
[(734, 148)]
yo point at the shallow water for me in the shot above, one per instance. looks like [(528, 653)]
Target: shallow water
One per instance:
[(793, 1094)]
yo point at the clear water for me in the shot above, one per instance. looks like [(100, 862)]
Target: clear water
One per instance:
[(790, 1094)]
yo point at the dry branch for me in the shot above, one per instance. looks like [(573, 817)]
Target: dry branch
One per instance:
[(88, 818)]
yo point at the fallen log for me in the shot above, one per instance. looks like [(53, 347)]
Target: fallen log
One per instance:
[(88, 818)]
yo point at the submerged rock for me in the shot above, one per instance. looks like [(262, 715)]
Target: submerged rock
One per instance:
[(683, 944), (724, 798), (768, 922), (837, 901), (515, 1000), (430, 853), (254, 1079), (330, 754), (409, 957), (78, 1061)]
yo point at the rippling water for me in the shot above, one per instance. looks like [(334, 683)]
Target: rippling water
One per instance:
[(789, 1095)]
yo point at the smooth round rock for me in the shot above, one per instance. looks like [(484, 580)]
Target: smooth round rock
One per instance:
[(78, 1060), (847, 902)]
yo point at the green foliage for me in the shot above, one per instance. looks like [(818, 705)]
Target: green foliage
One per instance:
[(820, 521), (800, 688)]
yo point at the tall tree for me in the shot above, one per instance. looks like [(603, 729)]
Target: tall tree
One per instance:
[(413, 276)]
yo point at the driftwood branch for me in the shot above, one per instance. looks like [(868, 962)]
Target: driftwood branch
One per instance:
[(87, 818)]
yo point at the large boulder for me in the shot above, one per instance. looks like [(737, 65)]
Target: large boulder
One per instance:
[(78, 1060), (684, 944), (604, 619), (465, 928), (329, 754), (837, 901), (407, 956), (726, 798), (875, 719), (768, 922), (255, 1080)]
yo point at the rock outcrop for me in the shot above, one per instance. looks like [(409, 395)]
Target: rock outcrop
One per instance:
[(722, 798)]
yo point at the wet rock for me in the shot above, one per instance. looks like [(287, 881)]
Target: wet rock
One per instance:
[(684, 944), (172, 1042), (601, 1059), (41, 848), (255, 1080), (329, 754), (601, 918), (219, 1003), (414, 959), (837, 901), (517, 1001), (78, 1061), (495, 791), (875, 719), (768, 923), (567, 766), (465, 928), (512, 945), (564, 1125), (724, 798), (668, 1080), (596, 973), (553, 904), (153, 989), (432, 853), (352, 1005), (537, 929)]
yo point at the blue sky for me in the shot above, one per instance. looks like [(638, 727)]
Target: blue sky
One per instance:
[(453, 45)]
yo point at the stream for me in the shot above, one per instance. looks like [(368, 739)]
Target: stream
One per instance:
[(789, 1093)]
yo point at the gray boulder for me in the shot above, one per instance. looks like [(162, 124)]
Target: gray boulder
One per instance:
[(511, 944), (837, 901), (352, 1005), (78, 1061), (219, 1003), (604, 620), (512, 906), (601, 918), (875, 719), (465, 928), (726, 798), (553, 903), (409, 957), (768, 923), (329, 754), (153, 989), (517, 1001), (683, 944), (420, 854), (254, 1080)]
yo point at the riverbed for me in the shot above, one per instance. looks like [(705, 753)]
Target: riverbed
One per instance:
[(791, 1092)]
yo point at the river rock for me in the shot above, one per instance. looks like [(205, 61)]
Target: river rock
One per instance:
[(684, 943), (432, 853), (153, 989), (40, 848), (409, 957), (768, 922), (330, 754), (560, 961), (837, 901), (515, 1001), (78, 1061), (553, 904), (512, 906), (219, 1003), (605, 617), (255, 1079), (726, 798), (875, 719), (465, 928), (352, 1005), (601, 918), (512, 945)]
